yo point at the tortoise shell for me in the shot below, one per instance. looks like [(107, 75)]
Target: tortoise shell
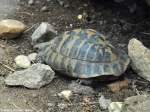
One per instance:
[(84, 53)]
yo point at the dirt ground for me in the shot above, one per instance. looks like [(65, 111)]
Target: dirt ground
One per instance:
[(117, 21)]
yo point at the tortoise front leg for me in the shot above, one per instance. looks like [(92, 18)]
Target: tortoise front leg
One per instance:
[(86, 82)]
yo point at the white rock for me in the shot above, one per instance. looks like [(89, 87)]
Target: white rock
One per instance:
[(34, 77), (116, 107), (140, 58), (80, 16), (32, 57), (66, 94), (104, 103), (10, 28), (22, 61)]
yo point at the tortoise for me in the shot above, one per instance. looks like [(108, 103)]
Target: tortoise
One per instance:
[(83, 53)]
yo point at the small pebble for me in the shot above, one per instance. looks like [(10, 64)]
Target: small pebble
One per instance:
[(66, 5), (85, 5), (71, 25), (44, 8), (31, 2), (116, 107), (22, 61), (32, 57), (80, 16), (66, 94)]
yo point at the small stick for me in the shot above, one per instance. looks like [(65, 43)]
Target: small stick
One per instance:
[(6, 66), (27, 13), (30, 28)]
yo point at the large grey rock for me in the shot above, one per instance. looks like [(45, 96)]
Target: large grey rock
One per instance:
[(140, 58), (36, 76), (139, 103), (43, 33)]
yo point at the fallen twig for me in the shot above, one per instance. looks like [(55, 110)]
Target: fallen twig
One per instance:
[(6, 66), (27, 13), (30, 28)]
